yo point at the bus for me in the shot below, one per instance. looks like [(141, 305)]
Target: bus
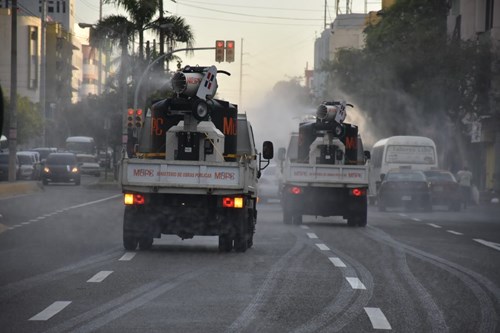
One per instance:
[(81, 145), (416, 152)]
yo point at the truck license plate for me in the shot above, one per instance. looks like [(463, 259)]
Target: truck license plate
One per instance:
[(406, 198)]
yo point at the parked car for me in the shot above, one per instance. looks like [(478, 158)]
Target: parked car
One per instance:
[(405, 188), (444, 188), (28, 165), (89, 164), (44, 152), (269, 184), (61, 167), (4, 166)]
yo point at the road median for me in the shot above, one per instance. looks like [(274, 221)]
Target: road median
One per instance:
[(10, 189)]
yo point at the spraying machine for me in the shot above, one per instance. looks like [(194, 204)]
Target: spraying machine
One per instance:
[(325, 170), (193, 168)]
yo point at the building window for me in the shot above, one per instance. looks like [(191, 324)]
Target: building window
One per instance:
[(64, 6), (51, 9), (58, 7)]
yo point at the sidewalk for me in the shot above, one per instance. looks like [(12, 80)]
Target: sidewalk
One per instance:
[(10, 189)]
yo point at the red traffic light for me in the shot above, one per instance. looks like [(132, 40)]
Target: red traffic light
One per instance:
[(139, 112), (230, 50), (219, 50)]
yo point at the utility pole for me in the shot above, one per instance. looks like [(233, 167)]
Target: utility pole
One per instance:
[(241, 72), (43, 66), (99, 66), (162, 37), (13, 95)]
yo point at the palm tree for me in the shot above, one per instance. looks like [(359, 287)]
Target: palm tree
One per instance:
[(141, 13), (176, 30)]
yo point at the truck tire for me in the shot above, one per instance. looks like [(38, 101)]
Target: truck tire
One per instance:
[(130, 242), (225, 243), (241, 242), (297, 219), (242, 235), (145, 243), (130, 239), (252, 221)]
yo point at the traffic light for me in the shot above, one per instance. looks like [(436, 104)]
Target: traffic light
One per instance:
[(230, 50), (130, 118), (138, 118), (219, 50)]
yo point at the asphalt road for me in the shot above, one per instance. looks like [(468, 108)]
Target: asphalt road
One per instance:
[(63, 269)]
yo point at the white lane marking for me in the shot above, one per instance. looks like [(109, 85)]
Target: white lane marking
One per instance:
[(40, 218), (355, 283), (493, 245), (94, 202), (402, 215), (455, 232), (434, 225), (25, 223), (337, 262), (127, 256), (415, 219), (99, 277), (59, 211), (34, 220), (51, 310), (304, 227), (379, 321), (323, 247), (312, 235)]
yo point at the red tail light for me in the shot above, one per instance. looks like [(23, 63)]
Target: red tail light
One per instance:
[(133, 199), (295, 190), (358, 192), (232, 202)]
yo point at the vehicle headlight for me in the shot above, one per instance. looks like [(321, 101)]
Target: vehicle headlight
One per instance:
[(74, 170), (46, 170)]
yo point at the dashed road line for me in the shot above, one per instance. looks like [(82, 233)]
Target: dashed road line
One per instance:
[(434, 225), (312, 235), (378, 319), (337, 262), (51, 311), (402, 215), (493, 245), (26, 223), (416, 220), (323, 247), (99, 277), (127, 256), (454, 232), (304, 227), (355, 283)]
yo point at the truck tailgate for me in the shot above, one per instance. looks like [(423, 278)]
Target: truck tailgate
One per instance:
[(327, 174), (184, 174)]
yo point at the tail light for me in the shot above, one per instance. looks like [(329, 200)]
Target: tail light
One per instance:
[(358, 192), (232, 202), (295, 190), (133, 199)]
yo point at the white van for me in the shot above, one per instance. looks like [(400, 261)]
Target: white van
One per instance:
[(416, 152), (81, 145)]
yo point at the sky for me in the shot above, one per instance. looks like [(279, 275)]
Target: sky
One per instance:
[(274, 39)]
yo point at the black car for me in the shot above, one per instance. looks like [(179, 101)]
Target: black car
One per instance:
[(61, 167), (405, 188), (445, 189)]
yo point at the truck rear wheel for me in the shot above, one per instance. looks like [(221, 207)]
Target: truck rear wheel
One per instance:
[(130, 242), (145, 243), (225, 243), (241, 242), (297, 219)]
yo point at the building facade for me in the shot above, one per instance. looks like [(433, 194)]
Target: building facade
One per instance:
[(479, 20)]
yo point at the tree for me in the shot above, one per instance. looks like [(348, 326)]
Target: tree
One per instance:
[(29, 120)]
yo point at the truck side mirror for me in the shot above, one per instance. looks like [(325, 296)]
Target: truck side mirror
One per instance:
[(368, 155), (382, 176), (267, 150), (281, 154)]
